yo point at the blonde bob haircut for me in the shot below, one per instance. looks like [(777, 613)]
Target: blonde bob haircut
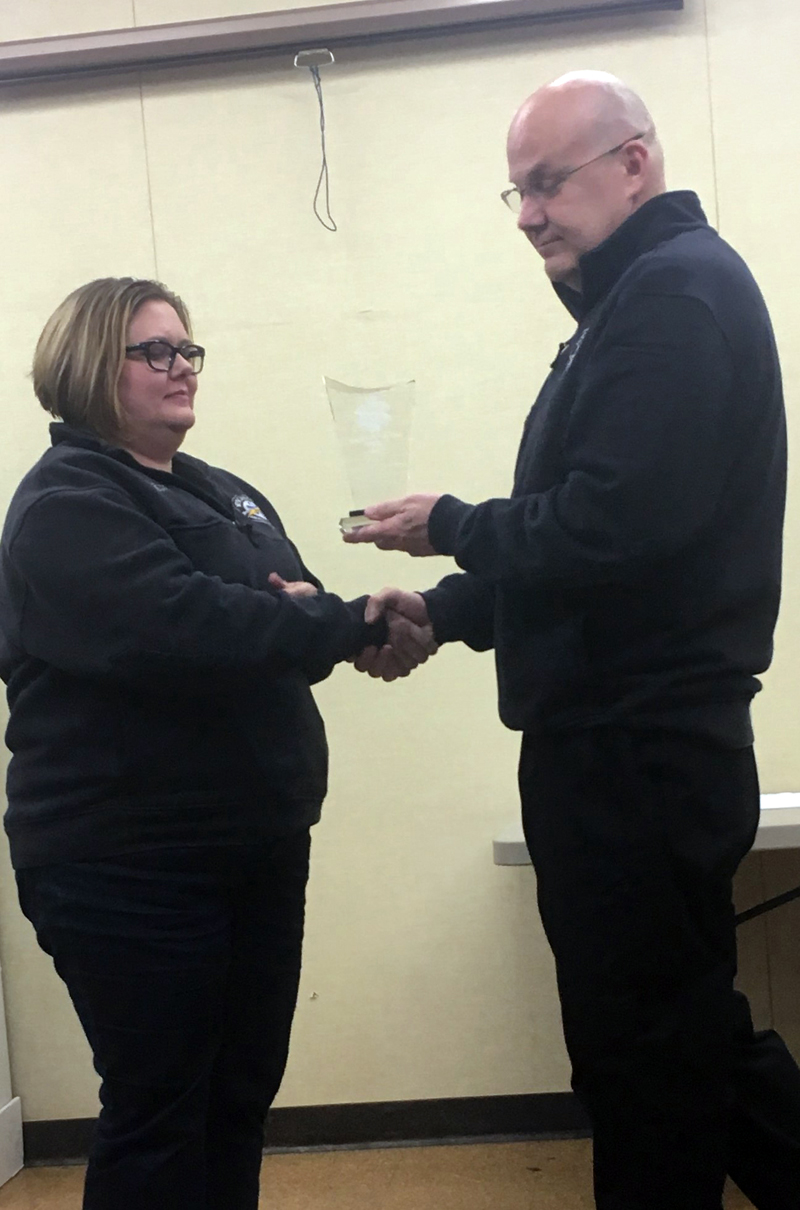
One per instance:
[(81, 351)]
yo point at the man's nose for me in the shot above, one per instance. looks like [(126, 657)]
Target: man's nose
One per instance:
[(531, 216)]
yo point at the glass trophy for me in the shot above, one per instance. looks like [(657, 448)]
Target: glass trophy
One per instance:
[(373, 429)]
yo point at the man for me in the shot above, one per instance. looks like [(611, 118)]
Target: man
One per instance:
[(630, 588)]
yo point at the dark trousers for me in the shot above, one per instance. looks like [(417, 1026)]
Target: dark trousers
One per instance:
[(635, 839), (183, 966)]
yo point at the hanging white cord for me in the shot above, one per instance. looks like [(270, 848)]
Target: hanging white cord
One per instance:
[(313, 59), (328, 221)]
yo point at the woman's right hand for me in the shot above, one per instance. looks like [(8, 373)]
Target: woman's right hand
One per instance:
[(293, 588)]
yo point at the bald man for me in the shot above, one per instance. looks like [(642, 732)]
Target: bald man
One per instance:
[(630, 587)]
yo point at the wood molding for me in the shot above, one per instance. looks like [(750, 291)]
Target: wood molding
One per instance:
[(287, 30), (392, 1123)]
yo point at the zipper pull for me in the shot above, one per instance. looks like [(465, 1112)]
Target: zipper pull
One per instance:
[(561, 348)]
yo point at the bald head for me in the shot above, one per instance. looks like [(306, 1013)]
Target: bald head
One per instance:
[(584, 108), (594, 134)]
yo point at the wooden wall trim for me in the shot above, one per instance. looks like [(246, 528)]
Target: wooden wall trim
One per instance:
[(287, 29), (392, 1123)]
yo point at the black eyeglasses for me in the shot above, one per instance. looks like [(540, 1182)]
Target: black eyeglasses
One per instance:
[(160, 354), (548, 187)]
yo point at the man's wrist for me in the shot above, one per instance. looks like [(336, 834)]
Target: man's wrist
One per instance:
[(445, 520)]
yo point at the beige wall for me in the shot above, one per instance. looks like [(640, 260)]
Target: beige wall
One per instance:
[(49, 18), (21, 19), (426, 971)]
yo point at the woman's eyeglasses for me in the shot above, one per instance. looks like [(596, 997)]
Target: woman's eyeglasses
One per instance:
[(160, 354)]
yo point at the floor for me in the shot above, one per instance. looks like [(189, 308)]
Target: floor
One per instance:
[(492, 1176)]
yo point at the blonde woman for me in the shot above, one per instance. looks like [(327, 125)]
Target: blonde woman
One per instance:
[(158, 637)]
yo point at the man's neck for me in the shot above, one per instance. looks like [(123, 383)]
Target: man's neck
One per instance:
[(573, 281)]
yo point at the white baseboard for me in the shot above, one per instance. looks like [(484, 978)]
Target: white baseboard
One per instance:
[(11, 1157)]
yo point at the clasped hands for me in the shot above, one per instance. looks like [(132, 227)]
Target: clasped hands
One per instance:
[(395, 525), (411, 640), (398, 525)]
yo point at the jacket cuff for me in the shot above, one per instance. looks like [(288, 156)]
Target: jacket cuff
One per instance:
[(444, 523), (444, 627), (373, 634)]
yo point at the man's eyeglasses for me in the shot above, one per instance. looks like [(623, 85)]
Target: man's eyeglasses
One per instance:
[(547, 186), (160, 354)]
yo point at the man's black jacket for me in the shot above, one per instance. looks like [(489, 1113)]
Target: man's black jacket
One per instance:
[(633, 576)]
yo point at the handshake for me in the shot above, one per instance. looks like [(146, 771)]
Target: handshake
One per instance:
[(410, 637), (410, 633)]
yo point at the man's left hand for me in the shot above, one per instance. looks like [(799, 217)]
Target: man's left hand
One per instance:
[(399, 525)]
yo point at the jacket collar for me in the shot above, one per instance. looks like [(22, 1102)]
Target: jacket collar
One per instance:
[(189, 472), (62, 433), (660, 219)]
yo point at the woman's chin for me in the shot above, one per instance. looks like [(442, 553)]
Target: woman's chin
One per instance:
[(182, 422)]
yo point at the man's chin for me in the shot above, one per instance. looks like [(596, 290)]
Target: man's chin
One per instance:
[(563, 272), (559, 268)]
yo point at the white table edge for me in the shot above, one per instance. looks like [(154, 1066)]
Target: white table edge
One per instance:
[(778, 828)]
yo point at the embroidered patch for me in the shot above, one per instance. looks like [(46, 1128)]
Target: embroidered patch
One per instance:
[(249, 509)]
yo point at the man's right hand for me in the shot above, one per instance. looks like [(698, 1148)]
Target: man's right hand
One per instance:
[(410, 604), (411, 640)]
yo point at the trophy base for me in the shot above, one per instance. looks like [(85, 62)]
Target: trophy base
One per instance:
[(353, 520)]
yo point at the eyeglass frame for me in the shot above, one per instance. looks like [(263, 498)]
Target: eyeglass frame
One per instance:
[(561, 178), (144, 346)]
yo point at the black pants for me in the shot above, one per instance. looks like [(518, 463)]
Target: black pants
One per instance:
[(635, 839), (183, 966)]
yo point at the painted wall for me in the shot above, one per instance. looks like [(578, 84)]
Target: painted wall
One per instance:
[(426, 973)]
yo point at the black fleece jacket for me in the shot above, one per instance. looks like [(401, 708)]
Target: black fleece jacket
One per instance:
[(158, 686), (633, 576)]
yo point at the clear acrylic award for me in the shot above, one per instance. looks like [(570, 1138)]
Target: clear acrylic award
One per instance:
[(373, 430)]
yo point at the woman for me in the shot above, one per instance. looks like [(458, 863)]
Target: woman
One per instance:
[(167, 755)]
